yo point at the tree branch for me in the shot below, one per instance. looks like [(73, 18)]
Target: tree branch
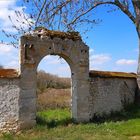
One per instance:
[(136, 5), (125, 10), (40, 12), (116, 2), (59, 7)]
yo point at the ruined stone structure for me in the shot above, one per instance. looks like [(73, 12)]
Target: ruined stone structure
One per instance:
[(93, 93)]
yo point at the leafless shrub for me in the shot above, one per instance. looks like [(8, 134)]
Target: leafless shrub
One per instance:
[(46, 80), (54, 98)]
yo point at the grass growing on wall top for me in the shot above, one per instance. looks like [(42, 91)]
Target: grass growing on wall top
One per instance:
[(57, 125)]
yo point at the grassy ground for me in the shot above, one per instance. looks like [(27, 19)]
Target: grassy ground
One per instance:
[(57, 125)]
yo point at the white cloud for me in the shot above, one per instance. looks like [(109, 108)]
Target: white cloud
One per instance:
[(55, 65), (6, 3), (8, 8), (91, 51), (5, 49), (12, 64), (9, 56), (136, 50), (126, 62), (54, 60), (99, 61), (99, 58), (64, 69)]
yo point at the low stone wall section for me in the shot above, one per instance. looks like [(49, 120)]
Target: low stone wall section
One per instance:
[(9, 97), (111, 91)]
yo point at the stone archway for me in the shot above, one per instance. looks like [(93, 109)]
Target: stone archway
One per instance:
[(69, 46)]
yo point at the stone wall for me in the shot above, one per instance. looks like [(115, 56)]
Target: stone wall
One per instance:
[(93, 94), (111, 91), (9, 96)]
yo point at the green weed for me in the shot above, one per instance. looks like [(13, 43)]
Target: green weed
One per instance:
[(53, 118)]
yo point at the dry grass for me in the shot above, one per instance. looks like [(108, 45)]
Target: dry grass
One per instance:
[(54, 98), (45, 32), (8, 73), (110, 74), (46, 80)]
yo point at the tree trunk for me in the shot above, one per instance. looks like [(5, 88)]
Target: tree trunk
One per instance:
[(138, 69), (137, 24)]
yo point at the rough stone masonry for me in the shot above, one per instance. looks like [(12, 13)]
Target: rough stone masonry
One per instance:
[(93, 93)]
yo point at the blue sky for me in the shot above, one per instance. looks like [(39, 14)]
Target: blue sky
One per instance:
[(113, 43)]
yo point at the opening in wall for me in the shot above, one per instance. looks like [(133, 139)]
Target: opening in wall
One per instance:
[(54, 91)]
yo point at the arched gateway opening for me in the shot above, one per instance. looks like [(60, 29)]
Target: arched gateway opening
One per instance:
[(54, 91), (69, 46)]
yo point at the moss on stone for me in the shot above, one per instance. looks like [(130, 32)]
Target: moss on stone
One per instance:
[(69, 35), (8, 73), (109, 74)]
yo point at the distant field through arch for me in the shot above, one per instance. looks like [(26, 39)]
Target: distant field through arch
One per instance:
[(53, 84)]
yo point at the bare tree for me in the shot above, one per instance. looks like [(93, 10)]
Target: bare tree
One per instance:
[(67, 15), (46, 80)]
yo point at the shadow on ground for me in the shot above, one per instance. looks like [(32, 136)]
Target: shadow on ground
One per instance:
[(130, 112), (54, 122)]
